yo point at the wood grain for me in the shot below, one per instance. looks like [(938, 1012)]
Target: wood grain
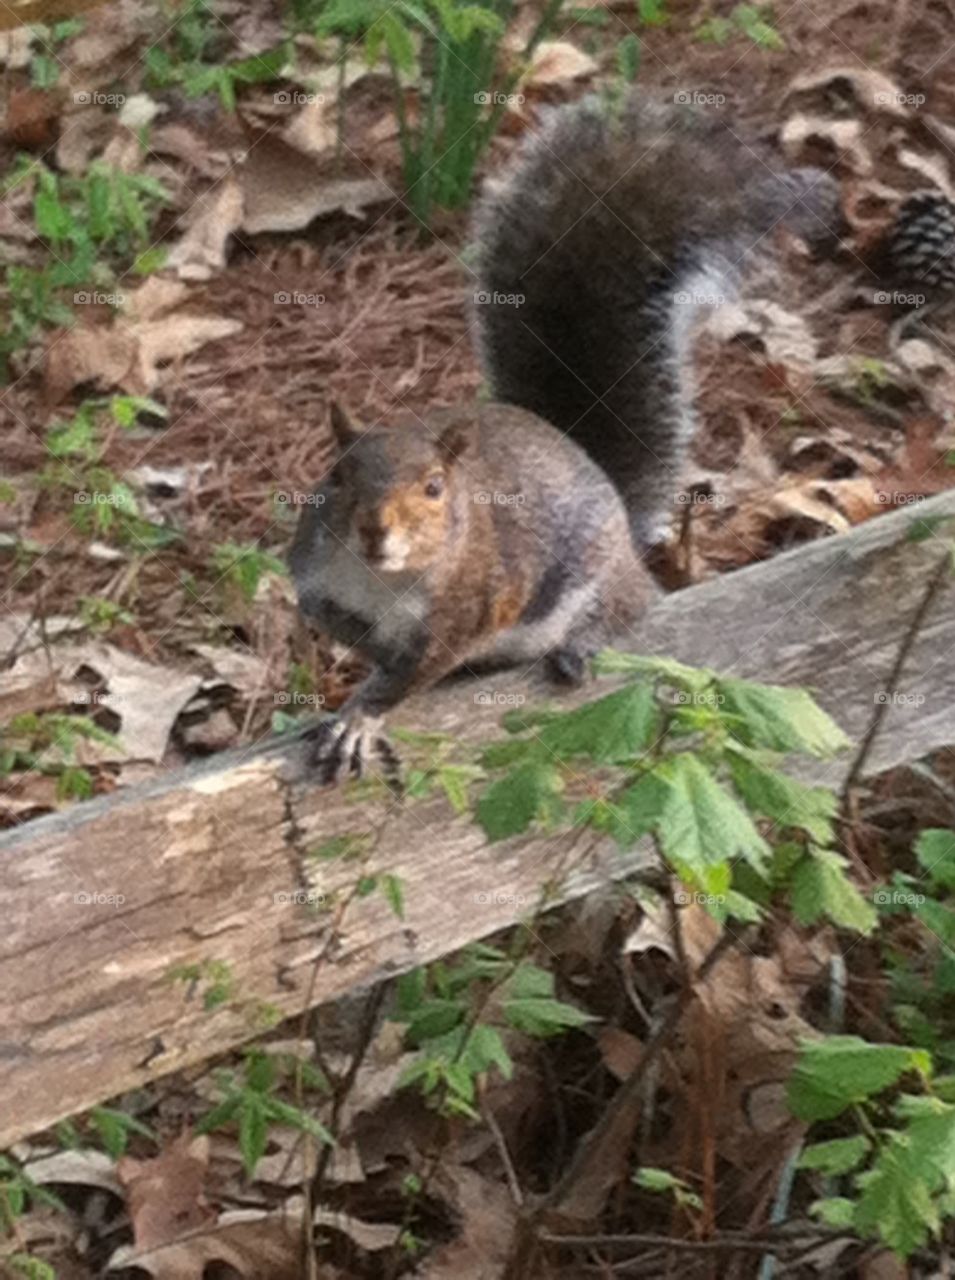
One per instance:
[(200, 868)]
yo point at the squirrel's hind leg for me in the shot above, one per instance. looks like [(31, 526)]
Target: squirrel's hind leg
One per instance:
[(627, 589)]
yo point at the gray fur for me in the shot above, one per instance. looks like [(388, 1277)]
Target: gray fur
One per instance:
[(609, 216)]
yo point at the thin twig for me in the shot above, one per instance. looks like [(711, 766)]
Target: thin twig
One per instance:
[(939, 573)]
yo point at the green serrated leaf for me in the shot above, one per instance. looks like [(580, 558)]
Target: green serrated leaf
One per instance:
[(540, 1016), (527, 794), (821, 887), (836, 1157), (895, 1202), (774, 795), (780, 718), (835, 1072), (702, 825), (935, 850)]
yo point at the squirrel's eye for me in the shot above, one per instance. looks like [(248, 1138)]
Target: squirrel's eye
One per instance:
[(434, 487)]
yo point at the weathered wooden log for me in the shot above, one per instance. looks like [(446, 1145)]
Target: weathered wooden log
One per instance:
[(104, 905)]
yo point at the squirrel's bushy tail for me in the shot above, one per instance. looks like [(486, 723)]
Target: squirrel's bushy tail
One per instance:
[(598, 250)]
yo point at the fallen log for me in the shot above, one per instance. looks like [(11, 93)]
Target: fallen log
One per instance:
[(162, 925)]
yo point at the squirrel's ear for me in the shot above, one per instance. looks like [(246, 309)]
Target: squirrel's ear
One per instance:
[(454, 441), (344, 427)]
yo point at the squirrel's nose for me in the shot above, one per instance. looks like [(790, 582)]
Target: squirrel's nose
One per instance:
[(372, 536)]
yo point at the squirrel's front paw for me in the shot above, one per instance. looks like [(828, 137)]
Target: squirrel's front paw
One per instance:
[(347, 746)]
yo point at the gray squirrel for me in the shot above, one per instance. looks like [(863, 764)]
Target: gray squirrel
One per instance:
[(512, 531)]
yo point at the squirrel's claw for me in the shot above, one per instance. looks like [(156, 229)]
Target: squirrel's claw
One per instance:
[(345, 747)]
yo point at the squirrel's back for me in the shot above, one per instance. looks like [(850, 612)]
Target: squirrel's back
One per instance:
[(616, 226)]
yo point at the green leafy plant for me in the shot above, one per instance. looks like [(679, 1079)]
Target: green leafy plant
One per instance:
[(251, 1103), (93, 226), (193, 59), (18, 1193), (46, 742), (749, 20), (896, 1148), (692, 759), (453, 53), (456, 1015), (101, 504), (114, 1128), (242, 566), (100, 615)]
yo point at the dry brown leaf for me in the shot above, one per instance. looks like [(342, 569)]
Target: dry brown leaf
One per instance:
[(202, 250), (313, 129), (621, 1052), (83, 135), (487, 1215), (872, 90), (843, 136), (127, 356), (259, 1246), (285, 190), (166, 1195), (146, 698), (557, 62)]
